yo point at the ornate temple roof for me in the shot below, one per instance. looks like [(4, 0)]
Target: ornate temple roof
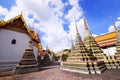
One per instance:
[(18, 24)]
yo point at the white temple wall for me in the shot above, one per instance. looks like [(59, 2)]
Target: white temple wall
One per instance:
[(12, 52)]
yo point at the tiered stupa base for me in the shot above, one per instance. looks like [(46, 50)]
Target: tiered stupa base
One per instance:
[(93, 47), (79, 67), (86, 67), (111, 62), (117, 54), (28, 62), (26, 69), (46, 61), (117, 57)]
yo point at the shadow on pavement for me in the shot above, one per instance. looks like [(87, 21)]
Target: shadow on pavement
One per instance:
[(51, 66)]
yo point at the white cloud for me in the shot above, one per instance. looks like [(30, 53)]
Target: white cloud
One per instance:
[(73, 3), (75, 12), (13, 12), (3, 11), (55, 34), (94, 35), (39, 8), (49, 19), (117, 23), (80, 26), (58, 3), (118, 18), (111, 28)]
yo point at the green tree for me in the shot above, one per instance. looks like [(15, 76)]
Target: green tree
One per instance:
[(64, 57), (66, 50)]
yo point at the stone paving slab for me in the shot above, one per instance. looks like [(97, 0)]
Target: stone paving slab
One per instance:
[(54, 73)]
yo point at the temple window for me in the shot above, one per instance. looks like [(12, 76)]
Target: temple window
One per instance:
[(13, 41)]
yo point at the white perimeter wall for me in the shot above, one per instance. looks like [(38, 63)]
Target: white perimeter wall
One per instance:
[(110, 50), (12, 52)]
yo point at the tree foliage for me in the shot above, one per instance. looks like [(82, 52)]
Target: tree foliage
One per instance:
[(64, 57), (66, 50)]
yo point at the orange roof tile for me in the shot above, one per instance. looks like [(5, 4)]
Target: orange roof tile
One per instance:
[(106, 36), (106, 39)]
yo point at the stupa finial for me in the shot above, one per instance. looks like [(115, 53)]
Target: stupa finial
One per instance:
[(87, 31), (113, 24)]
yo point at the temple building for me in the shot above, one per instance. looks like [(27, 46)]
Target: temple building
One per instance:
[(107, 42), (14, 38)]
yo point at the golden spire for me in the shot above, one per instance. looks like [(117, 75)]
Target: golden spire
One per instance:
[(76, 26), (87, 32), (115, 27), (78, 38), (85, 23), (72, 45)]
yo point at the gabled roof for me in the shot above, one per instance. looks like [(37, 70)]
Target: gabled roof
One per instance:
[(20, 20), (12, 21)]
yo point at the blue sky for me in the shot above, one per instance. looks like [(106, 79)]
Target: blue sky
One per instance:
[(54, 19), (98, 13)]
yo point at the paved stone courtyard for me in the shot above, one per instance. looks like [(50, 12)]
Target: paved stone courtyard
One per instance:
[(54, 73)]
